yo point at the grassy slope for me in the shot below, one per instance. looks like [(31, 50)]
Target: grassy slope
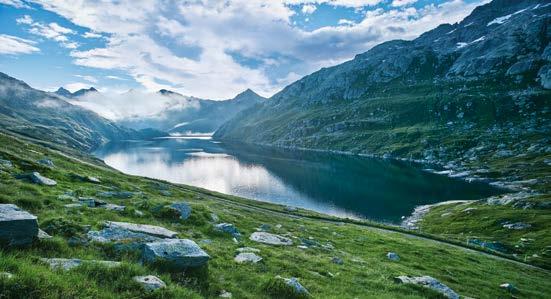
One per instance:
[(366, 271), (422, 122)]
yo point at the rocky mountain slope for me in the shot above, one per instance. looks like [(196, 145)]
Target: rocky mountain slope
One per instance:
[(190, 114), (473, 97), (65, 93), (42, 115)]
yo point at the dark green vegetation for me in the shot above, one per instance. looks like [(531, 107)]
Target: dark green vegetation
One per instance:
[(366, 272), (45, 116), (473, 97)]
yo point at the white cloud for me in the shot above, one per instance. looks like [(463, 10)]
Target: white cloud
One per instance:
[(397, 3), (308, 9), (137, 34), (88, 78), (52, 31), (115, 78), (75, 86), (15, 3), (91, 35), (14, 45), (346, 22)]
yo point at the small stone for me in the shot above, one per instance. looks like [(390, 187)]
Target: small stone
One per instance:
[(517, 225), (114, 207), (5, 163), (295, 285), (93, 179), (17, 227), (428, 282), (68, 264), (270, 239), (174, 254), (393, 256), (46, 162), (183, 208), (337, 260), (227, 228), (41, 180), (509, 287), (6, 275), (247, 257), (225, 294), (214, 217), (42, 235), (247, 249), (150, 282)]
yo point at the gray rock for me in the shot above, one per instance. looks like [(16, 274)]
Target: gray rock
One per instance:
[(93, 179), (17, 227), (337, 260), (151, 230), (183, 208), (42, 235), (225, 294), (270, 239), (247, 257), (247, 249), (6, 275), (41, 180), (150, 282), (174, 254), (46, 162), (119, 235), (227, 228), (517, 225), (91, 202), (114, 207), (509, 287), (5, 163), (295, 285), (429, 282), (116, 194), (393, 256), (68, 264)]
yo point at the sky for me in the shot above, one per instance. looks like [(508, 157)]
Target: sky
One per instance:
[(203, 48)]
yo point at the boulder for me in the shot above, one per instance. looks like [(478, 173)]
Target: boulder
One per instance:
[(41, 180), (150, 282), (247, 257), (295, 286), (183, 208), (151, 230), (68, 264), (428, 282), (517, 225), (270, 239), (46, 162), (17, 227), (174, 254), (119, 235), (393, 256), (92, 179), (227, 228)]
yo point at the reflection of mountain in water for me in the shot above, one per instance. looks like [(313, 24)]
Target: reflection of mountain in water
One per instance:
[(377, 189)]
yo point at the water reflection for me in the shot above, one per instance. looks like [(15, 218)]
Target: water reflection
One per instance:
[(334, 184)]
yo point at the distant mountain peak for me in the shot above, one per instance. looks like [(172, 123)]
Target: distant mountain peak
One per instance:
[(84, 91), (168, 92), (248, 95), (63, 92)]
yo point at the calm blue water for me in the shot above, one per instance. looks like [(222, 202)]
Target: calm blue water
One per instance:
[(359, 187)]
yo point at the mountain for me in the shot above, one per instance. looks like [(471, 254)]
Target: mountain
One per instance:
[(42, 115), (188, 114), (65, 93), (458, 93)]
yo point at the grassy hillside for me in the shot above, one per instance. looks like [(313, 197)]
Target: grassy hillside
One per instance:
[(365, 272)]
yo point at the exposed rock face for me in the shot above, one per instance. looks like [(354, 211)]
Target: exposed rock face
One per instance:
[(183, 208), (227, 228), (247, 257), (151, 230), (41, 180), (270, 239), (68, 264), (150, 282), (17, 227), (118, 235), (174, 254), (428, 282)]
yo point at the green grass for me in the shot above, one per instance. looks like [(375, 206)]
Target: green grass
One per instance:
[(366, 272)]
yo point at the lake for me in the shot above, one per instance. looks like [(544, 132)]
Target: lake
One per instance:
[(345, 186)]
